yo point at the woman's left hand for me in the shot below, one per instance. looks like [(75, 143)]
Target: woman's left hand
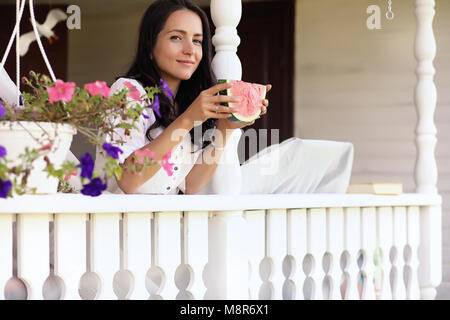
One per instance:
[(227, 124), (265, 102)]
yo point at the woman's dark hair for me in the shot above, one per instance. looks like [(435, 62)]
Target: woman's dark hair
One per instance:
[(145, 71)]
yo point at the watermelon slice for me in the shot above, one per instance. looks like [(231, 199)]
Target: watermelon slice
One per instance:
[(251, 95)]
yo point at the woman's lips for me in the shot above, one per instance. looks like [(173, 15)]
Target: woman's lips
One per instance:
[(186, 63)]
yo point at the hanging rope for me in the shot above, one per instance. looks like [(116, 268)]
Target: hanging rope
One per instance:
[(38, 39), (16, 34), (17, 55)]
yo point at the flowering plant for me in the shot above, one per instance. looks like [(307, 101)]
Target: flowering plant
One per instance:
[(95, 114)]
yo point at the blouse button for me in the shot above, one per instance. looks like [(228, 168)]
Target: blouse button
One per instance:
[(168, 188), (175, 168)]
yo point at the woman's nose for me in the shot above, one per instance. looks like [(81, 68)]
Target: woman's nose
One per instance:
[(188, 47)]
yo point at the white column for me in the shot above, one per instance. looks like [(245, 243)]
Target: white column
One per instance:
[(352, 238), (70, 251), (369, 244), (137, 250), (317, 245), (412, 261), (256, 237), (105, 251), (6, 250), (430, 251), (335, 246), (194, 255), (226, 15), (425, 98), (227, 275), (33, 265), (385, 240), (167, 254), (276, 250), (297, 234), (430, 256)]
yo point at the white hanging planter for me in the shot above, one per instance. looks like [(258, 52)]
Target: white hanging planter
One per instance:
[(15, 136)]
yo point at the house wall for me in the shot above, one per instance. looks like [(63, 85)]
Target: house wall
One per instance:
[(355, 84), (352, 84)]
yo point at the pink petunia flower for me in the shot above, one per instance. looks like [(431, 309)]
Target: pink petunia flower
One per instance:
[(98, 87), (133, 93), (62, 91), (47, 147), (166, 164), (68, 175), (142, 154)]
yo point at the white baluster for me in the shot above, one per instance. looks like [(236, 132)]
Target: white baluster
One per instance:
[(137, 250), (297, 247), (398, 288), (167, 250), (368, 244), (105, 251), (6, 253), (413, 220), (33, 265), (425, 97), (276, 249), (384, 234), (430, 251), (70, 251), (352, 237), (335, 247), (226, 15), (256, 248), (228, 260), (195, 251), (316, 247)]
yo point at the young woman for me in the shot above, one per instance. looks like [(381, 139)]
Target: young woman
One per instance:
[(175, 48)]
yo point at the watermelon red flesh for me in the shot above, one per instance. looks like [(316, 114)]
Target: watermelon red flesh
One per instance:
[(251, 95)]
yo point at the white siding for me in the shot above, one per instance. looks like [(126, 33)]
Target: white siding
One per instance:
[(355, 84)]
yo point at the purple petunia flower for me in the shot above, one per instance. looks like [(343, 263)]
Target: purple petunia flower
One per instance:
[(111, 150), (2, 151), (155, 106), (94, 188), (166, 88), (2, 110), (87, 166), (5, 186)]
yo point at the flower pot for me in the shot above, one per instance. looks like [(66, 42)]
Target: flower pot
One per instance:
[(15, 136)]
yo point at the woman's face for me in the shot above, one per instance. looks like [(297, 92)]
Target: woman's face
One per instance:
[(178, 48)]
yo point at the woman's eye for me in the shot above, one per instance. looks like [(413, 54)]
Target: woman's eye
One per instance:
[(198, 41), (175, 37)]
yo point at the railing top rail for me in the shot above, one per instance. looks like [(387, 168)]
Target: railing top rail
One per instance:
[(77, 203)]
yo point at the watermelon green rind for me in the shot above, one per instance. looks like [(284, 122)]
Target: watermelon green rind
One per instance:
[(235, 117)]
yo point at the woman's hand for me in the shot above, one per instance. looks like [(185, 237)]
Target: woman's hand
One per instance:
[(265, 102), (227, 124), (207, 105)]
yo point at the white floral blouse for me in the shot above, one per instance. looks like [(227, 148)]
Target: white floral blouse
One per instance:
[(161, 182)]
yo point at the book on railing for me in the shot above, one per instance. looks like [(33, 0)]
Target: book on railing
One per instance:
[(385, 188)]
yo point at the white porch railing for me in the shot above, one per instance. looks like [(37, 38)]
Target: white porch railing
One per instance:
[(283, 246)]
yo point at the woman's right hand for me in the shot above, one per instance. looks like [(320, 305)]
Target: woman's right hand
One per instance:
[(208, 104)]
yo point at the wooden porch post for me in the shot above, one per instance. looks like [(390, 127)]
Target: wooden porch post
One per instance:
[(425, 96), (227, 276)]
